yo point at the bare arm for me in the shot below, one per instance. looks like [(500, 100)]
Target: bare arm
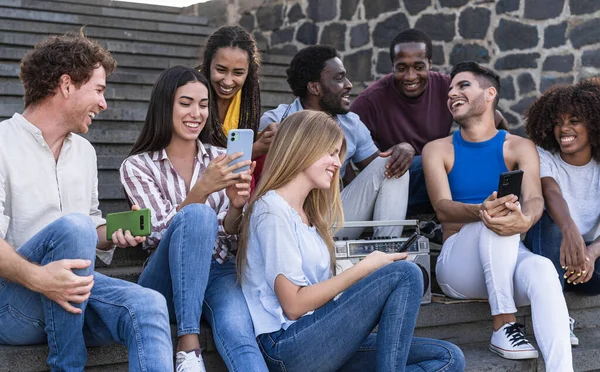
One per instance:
[(438, 188), (297, 301)]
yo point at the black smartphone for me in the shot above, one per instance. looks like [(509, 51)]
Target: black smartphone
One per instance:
[(510, 183), (408, 242)]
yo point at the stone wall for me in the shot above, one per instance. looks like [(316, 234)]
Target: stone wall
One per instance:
[(532, 44)]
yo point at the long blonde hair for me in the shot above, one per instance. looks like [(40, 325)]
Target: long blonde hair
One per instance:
[(301, 140)]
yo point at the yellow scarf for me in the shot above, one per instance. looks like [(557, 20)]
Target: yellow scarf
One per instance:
[(232, 118)]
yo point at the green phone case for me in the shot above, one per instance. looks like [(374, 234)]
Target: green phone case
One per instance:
[(137, 222)]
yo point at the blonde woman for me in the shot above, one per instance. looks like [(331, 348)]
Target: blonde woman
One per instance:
[(305, 319)]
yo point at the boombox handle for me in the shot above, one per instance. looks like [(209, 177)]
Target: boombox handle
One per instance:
[(383, 223)]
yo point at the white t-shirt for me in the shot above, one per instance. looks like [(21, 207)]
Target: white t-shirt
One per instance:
[(580, 187), (279, 243)]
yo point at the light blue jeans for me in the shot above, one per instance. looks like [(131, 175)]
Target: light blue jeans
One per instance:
[(117, 311), (183, 270), (337, 336)]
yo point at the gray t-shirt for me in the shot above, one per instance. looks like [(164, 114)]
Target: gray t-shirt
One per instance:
[(580, 187)]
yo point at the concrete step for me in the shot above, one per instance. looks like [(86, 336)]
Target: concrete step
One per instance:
[(585, 356), (56, 16), (85, 8), (104, 358)]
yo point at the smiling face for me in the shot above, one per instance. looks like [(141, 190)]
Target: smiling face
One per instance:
[(86, 102), (228, 71), (466, 98), (571, 133), (322, 172), (411, 68), (190, 111), (335, 88)]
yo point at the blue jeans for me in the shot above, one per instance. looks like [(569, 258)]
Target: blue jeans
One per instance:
[(544, 238), (117, 311), (183, 270), (418, 199), (337, 336)]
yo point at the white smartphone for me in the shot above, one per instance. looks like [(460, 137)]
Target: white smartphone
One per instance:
[(240, 140)]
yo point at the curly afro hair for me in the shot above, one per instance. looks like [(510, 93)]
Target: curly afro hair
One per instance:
[(306, 66), (581, 100), (71, 54)]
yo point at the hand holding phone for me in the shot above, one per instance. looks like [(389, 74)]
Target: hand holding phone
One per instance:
[(136, 221), (240, 140)]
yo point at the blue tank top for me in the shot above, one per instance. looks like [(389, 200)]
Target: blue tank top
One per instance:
[(477, 168)]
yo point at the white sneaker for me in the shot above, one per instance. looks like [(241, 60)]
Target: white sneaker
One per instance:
[(189, 361), (509, 342), (574, 339)]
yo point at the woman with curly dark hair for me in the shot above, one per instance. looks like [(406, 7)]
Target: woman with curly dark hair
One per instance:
[(565, 125), (231, 62)]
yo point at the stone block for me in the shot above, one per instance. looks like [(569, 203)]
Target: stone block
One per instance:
[(438, 56), (555, 35), (320, 11), (511, 35), (348, 9), (359, 35), (591, 58), (453, 3), (587, 33), (549, 81), (287, 49), (359, 65), (284, 35), (307, 33), (334, 34), (473, 23), (385, 32), (581, 7), (516, 61), (295, 13), (543, 9), (522, 106), (414, 7), (373, 8), (261, 41), (510, 118), (469, 52), (247, 22), (559, 63), (506, 6), (526, 83), (270, 17), (507, 88), (439, 27), (384, 63)]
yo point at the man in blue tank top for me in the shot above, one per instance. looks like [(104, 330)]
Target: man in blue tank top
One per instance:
[(482, 255)]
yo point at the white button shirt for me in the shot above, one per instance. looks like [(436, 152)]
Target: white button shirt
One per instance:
[(36, 190)]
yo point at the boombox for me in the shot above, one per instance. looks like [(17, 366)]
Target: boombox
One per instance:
[(350, 252)]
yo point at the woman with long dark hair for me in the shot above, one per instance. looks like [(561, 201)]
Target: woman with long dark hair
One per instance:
[(231, 62), (196, 202)]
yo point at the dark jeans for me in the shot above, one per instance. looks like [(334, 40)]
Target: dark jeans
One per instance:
[(418, 199), (544, 238)]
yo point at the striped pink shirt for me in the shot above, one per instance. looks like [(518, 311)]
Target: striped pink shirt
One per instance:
[(151, 181)]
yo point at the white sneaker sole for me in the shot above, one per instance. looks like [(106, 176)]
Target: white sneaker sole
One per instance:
[(515, 355), (574, 341)]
